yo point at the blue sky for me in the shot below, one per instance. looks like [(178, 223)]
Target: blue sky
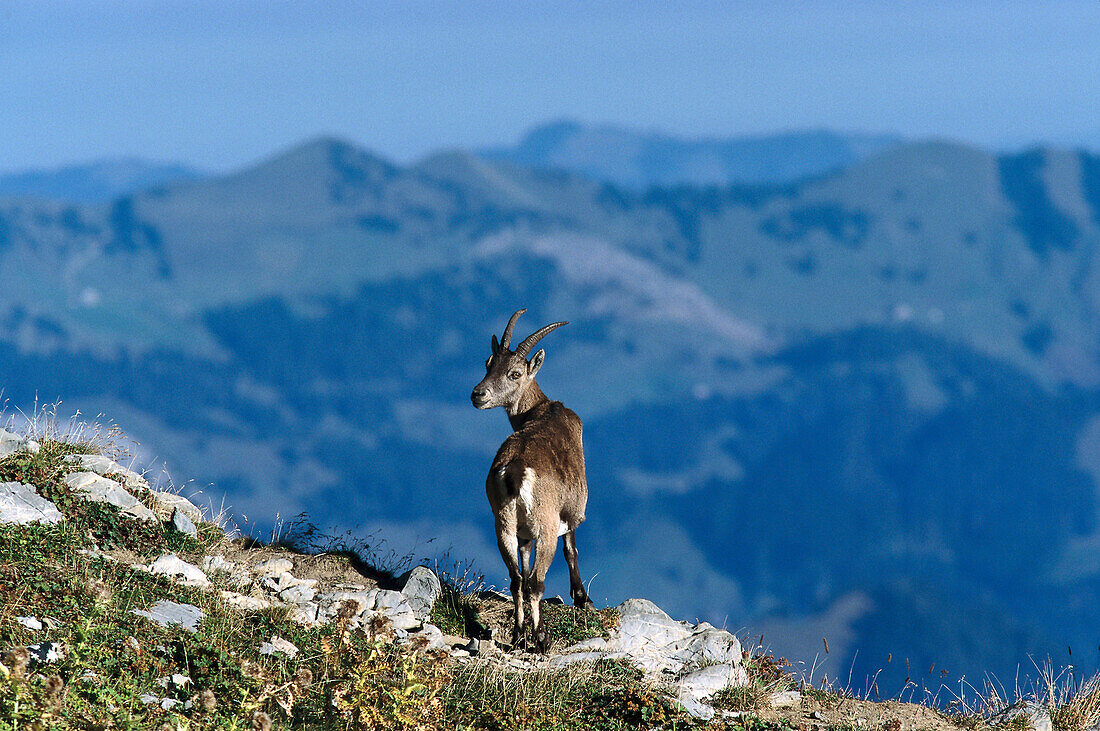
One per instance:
[(219, 84)]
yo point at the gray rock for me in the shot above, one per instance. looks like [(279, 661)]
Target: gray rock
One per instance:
[(166, 614), (13, 443), (103, 466), (183, 524), (422, 588), (644, 627), (710, 646), (21, 504), (166, 503), (329, 602), (429, 634), (173, 566), (99, 489), (697, 709)]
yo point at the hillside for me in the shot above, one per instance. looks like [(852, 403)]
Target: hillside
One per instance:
[(126, 606), (861, 406)]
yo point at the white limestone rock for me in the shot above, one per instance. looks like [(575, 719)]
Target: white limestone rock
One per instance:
[(273, 567), (167, 613), (175, 567), (20, 504), (166, 503), (30, 622), (278, 644), (103, 466), (245, 602), (299, 593), (785, 699), (13, 444), (91, 486)]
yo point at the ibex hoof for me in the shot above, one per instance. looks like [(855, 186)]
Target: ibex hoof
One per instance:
[(542, 642)]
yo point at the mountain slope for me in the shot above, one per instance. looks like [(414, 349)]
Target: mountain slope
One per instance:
[(819, 399)]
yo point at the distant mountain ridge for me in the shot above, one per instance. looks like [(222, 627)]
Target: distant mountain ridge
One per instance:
[(95, 182), (844, 406), (641, 160)]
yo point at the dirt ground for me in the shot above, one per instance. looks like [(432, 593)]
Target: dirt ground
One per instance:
[(813, 715)]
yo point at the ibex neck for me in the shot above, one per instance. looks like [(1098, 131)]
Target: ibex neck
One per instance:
[(520, 412)]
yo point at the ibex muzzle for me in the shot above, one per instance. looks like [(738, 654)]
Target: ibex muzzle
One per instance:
[(536, 486)]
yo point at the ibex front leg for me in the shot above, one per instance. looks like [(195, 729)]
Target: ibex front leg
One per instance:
[(546, 545)]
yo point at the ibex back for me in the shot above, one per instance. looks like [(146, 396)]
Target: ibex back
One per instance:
[(536, 486)]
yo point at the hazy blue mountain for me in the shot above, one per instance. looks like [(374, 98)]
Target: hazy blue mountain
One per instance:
[(95, 182), (640, 160), (864, 406)]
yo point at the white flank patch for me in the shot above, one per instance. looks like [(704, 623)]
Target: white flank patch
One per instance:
[(562, 528), (526, 490)]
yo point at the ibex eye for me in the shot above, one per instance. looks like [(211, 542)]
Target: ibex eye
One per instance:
[(514, 375)]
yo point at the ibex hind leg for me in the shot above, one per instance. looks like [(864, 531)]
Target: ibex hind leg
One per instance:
[(509, 551), (576, 585)]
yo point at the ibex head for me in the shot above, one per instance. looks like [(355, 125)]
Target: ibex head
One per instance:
[(508, 373)]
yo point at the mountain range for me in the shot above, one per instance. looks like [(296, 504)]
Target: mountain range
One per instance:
[(640, 160), (95, 182), (863, 405)]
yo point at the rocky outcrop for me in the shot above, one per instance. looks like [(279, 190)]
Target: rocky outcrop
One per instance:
[(20, 503)]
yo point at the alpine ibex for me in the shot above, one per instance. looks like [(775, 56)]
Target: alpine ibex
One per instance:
[(536, 486)]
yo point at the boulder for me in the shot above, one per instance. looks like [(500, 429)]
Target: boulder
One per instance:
[(166, 503), (422, 588), (21, 504), (103, 466), (91, 486)]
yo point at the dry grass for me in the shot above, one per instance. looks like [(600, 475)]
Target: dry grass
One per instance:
[(1073, 705)]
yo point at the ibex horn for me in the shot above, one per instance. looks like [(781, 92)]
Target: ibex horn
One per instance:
[(525, 347), (506, 340)]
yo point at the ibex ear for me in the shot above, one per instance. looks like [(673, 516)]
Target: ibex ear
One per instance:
[(496, 345), (536, 362)]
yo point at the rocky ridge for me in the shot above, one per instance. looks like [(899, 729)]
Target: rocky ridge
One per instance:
[(203, 579), (690, 662)]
